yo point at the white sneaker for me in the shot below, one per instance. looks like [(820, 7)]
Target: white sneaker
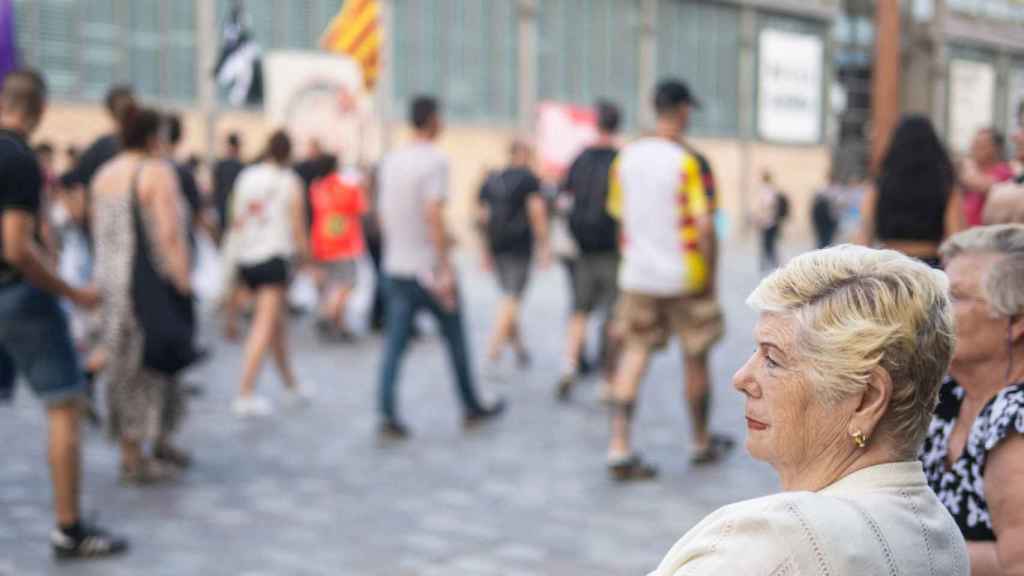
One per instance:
[(300, 396), (249, 406)]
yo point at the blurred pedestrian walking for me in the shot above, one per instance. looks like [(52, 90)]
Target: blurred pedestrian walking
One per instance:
[(770, 211), (825, 212), (667, 276), (413, 189), (267, 237), (513, 216), (138, 213), (35, 341), (339, 202), (596, 233), (225, 172), (120, 98), (914, 203)]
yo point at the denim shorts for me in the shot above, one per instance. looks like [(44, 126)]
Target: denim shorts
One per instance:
[(35, 342)]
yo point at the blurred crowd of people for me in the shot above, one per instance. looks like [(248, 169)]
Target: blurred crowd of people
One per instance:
[(98, 282)]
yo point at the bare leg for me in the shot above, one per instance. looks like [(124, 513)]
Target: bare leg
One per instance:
[(698, 398), (338, 301), (574, 342), (232, 309), (65, 460), (504, 327), (269, 300), (279, 346), (628, 378)]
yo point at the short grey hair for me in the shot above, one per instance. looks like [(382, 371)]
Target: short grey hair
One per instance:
[(1004, 285)]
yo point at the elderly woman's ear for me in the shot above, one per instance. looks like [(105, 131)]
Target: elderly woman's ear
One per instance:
[(1017, 328), (873, 403)]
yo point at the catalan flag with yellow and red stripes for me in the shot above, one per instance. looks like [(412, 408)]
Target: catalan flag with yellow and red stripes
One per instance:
[(356, 32)]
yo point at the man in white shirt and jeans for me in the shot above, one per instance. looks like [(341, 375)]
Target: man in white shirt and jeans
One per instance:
[(667, 275), (418, 273)]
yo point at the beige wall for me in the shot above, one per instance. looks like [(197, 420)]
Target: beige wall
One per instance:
[(798, 170)]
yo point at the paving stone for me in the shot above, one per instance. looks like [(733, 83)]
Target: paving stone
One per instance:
[(312, 492)]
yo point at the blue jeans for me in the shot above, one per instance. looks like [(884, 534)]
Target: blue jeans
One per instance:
[(405, 297), (35, 341)]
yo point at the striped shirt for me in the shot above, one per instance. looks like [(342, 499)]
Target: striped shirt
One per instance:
[(658, 194)]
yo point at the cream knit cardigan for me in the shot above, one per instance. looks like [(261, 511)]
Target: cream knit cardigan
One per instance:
[(882, 520)]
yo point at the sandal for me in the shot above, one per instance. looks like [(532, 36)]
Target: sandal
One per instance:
[(719, 446), (146, 473), (632, 468)]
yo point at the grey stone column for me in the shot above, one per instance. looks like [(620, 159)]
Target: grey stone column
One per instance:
[(527, 97)]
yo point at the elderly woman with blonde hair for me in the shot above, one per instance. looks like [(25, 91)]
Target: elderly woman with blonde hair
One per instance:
[(852, 344), (974, 452)]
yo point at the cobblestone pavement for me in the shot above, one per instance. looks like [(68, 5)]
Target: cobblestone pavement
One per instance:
[(311, 492)]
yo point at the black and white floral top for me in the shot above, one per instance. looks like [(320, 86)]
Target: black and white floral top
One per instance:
[(961, 488)]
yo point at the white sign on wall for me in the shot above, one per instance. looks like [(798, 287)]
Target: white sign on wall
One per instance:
[(971, 97), (790, 86), (319, 96)]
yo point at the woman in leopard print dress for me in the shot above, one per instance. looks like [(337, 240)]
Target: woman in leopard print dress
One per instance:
[(143, 405)]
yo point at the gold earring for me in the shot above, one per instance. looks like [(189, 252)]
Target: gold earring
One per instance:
[(859, 439)]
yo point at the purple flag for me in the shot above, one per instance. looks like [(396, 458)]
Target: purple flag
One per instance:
[(8, 42)]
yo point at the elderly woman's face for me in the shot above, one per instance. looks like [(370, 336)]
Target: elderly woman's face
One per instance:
[(980, 333), (786, 425)]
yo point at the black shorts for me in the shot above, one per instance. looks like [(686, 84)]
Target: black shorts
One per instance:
[(273, 272)]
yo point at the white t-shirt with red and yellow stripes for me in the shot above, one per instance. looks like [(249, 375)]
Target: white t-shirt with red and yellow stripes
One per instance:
[(657, 193)]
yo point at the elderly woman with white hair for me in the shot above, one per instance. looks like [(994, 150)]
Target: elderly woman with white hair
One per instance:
[(852, 344), (974, 452)]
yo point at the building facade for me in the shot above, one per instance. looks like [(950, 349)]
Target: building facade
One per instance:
[(785, 84)]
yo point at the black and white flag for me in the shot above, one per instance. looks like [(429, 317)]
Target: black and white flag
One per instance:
[(238, 68)]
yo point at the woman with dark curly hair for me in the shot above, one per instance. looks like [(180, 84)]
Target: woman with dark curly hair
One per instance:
[(914, 204)]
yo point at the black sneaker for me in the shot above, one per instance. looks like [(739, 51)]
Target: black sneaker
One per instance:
[(484, 415), (631, 468), (92, 542), (717, 449), (392, 430)]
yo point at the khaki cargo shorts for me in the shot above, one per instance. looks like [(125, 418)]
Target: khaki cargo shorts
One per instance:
[(651, 321)]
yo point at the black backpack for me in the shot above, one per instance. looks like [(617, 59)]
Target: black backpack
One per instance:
[(591, 225), (508, 225)]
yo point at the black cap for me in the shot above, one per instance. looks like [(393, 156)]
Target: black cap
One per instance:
[(672, 93)]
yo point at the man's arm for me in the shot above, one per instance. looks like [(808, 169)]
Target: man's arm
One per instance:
[(22, 252), (538, 213)]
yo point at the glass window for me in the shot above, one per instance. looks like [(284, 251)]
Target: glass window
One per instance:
[(699, 42), (590, 49), (84, 47), (473, 70), (144, 46), (56, 52)]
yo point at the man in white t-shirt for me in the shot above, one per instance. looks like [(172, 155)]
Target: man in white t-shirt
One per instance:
[(659, 193), (418, 272)]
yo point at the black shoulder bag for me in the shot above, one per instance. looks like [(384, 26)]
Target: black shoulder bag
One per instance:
[(165, 315)]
